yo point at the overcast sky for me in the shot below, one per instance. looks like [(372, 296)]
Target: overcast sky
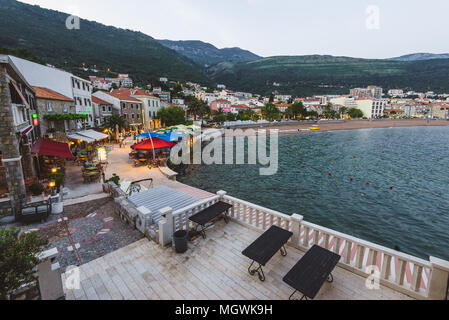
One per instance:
[(356, 28)]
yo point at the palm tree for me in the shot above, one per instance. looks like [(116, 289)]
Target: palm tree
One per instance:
[(115, 123)]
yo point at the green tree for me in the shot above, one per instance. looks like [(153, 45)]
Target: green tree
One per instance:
[(355, 113), (18, 257), (296, 110), (171, 116), (270, 112), (114, 120), (197, 108), (231, 116)]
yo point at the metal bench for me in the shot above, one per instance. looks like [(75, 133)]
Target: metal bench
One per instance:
[(35, 212), (310, 273), (265, 247), (208, 215)]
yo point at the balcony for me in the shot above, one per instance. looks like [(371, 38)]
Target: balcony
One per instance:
[(215, 268)]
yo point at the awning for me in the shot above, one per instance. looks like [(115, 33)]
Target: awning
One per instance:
[(75, 136), (97, 136), (52, 148), (153, 142), (27, 130)]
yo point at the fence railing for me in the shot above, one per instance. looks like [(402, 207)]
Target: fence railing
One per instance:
[(405, 273)]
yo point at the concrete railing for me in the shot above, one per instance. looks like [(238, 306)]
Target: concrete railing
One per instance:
[(418, 278), (405, 273)]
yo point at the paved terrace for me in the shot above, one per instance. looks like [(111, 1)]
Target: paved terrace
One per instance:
[(211, 269)]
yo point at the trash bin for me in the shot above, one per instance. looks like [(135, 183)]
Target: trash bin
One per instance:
[(180, 237)]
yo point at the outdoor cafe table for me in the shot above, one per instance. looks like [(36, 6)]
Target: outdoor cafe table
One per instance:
[(92, 169), (264, 248), (310, 273)]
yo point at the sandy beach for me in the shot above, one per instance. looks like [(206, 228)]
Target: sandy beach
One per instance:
[(324, 126)]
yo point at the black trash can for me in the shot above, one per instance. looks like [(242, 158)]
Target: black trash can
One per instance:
[(180, 237)]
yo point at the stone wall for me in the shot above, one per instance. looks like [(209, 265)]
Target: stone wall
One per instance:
[(9, 145)]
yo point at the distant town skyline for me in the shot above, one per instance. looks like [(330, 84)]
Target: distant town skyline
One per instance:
[(359, 28)]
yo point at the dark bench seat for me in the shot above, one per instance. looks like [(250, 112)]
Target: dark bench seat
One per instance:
[(35, 212), (208, 215)]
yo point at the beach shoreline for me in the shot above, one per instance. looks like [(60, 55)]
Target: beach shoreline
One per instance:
[(301, 128)]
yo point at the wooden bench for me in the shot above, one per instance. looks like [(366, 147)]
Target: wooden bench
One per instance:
[(208, 215)]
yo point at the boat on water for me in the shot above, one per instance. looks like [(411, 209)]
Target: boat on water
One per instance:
[(314, 128)]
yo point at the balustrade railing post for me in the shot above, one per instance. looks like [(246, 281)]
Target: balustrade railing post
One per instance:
[(166, 226), (296, 221), (438, 281)]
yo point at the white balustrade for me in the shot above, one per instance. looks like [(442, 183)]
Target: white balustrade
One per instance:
[(402, 272)]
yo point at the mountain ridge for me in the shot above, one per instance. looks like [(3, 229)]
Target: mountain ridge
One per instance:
[(206, 54), (44, 34)]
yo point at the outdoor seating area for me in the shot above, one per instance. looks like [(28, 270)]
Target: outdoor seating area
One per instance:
[(209, 215), (92, 172), (213, 270)]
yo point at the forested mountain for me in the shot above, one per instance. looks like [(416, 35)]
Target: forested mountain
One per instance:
[(44, 34)]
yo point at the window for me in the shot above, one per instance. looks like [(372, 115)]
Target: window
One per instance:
[(132, 106), (84, 86), (49, 107), (110, 108), (73, 83), (64, 107), (138, 116), (78, 84), (132, 115), (85, 101), (104, 108)]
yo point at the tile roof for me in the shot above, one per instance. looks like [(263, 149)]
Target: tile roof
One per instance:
[(123, 96), (99, 101), (45, 93)]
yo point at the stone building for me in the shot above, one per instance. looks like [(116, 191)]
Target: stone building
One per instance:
[(18, 132), (102, 110), (53, 104)]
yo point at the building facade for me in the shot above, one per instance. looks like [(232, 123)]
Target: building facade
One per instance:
[(18, 132)]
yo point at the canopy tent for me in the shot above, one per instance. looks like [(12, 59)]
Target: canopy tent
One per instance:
[(171, 136), (97, 136), (168, 136), (52, 148), (79, 137), (153, 143)]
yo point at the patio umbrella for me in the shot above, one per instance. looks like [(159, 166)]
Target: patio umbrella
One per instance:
[(171, 136), (152, 144)]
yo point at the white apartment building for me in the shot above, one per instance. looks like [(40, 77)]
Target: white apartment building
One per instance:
[(63, 82), (371, 108)]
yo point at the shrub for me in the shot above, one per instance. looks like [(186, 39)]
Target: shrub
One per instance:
[(36, 189)]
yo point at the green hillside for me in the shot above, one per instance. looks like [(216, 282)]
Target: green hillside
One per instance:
[(308, 75), (206, 54), (43, 33)]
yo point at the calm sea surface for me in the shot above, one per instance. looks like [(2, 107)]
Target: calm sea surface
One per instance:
[(415, 161)]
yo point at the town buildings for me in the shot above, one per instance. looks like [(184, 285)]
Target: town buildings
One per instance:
[(102, 110), (373, 92), (62, 82), (222, 104), (130, 108), (50, 104)]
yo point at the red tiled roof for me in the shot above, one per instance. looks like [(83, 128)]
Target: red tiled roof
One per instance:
[(241, 106), (134, 92), (99, 101), (283, 105), (45, 93), (221, 100), (122, 96)]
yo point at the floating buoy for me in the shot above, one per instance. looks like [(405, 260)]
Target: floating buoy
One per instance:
[(281, 170), (329, 173), (367, 183), (355, 157), (351, 179), (391, 187)]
